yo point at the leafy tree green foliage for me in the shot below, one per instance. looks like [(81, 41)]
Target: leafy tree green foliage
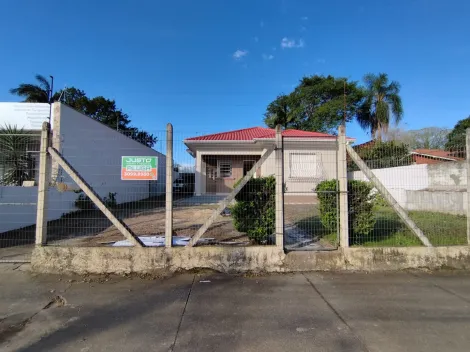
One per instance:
[(382, 104), (379, 155), (104, 111), (98, 108), (16, 164), (255, 210), (316, 104), (360, 204), (456, 138)]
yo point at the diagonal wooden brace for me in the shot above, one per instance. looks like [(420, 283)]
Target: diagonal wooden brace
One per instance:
[(120, 225), (225, 202), (387, 196)]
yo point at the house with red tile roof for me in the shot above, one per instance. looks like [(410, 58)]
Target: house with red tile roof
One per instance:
[(434, 156), (224, 158)]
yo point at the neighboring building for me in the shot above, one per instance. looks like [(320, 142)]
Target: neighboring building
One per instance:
[(433, 156), (223, 158)]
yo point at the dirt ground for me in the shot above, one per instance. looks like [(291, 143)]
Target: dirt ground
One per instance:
[(147, 218), (186, 222)]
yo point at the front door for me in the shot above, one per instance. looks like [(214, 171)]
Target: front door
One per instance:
[(211, 179), (247, 166)]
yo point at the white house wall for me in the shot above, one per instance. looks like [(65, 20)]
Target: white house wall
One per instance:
[(18, 206), (326, 152), (325, 164)]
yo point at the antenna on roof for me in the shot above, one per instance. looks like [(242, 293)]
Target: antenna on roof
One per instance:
[(63, 90)]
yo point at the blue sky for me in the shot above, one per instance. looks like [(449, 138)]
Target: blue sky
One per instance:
[(209, 66)]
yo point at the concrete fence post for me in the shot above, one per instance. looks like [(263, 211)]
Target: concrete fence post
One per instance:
[(279, 165), (467, 151), (343, 189), (169, 186), (43, 186)]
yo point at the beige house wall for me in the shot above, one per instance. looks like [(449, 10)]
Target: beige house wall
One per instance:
[(325, 152)]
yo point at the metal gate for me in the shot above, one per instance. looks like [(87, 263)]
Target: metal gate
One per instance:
[(311, 194)]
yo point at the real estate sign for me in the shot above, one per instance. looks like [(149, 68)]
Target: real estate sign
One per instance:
[(139, 168)]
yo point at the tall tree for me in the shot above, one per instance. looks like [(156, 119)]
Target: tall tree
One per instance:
[(424, 138), (34, 93), (316, 104), (98, 108), (456, 137), (382, 104), (279, 112)]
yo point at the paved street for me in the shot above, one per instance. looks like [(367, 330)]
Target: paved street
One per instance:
[(383, 312)]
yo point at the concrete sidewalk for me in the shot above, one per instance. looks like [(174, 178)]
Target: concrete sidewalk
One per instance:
[(213, 312)]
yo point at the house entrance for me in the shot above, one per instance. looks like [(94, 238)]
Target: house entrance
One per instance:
[(247, 166)]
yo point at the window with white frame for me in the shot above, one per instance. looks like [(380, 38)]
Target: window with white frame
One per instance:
[(303, 165), (224, 168)]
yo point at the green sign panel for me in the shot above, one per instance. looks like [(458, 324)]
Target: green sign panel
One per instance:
[(139, 168)]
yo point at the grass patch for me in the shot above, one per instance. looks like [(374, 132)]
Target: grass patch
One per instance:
[(390, 231), (313, 225)]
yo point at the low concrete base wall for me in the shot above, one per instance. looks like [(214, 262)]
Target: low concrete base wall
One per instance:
[(106, 260), (101, 260)]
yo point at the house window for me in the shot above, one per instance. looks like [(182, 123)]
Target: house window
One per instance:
[(302, 165), (225, 168)]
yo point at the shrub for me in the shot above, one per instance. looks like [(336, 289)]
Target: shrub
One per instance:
[(381, 155), (254, 212), (360, 204), (85, 203)]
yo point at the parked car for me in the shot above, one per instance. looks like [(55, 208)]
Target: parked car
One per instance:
[(180, 186)]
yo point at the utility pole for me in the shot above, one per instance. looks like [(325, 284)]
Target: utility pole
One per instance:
[(50, 98), (344, 103)]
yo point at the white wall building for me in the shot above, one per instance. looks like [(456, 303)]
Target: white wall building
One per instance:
[(93, 149)]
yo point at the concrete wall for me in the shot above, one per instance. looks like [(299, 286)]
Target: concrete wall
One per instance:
[(18, 206), (95, 151), (437, 187), (441, 201), (104, 260)]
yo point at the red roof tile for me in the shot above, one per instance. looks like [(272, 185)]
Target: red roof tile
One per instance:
[(438, 153), (249, 134)]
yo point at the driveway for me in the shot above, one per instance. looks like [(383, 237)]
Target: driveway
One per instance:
[(406, 311)]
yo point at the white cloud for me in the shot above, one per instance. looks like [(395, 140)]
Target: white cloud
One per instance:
[(239, 54), (256, 39), (305, 18), (261, 24), (321, 61), (303, 28), (268, 56), (292, 43)]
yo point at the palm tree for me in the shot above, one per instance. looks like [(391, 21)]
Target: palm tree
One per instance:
[(382, 103), (33, 93), (16, 165)]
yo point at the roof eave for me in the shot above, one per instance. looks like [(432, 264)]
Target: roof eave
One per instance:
[(197, 141)]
